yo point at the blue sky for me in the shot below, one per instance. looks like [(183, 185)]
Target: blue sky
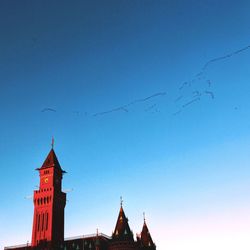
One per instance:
[(175, 75)]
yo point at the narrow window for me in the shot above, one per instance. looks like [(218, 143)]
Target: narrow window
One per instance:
[(47, 221), (38, 225), (42, 221)]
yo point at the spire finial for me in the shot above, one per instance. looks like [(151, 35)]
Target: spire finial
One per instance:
[(52, 142), (121, 200), (144, 217)]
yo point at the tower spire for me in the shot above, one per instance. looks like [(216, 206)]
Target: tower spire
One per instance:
[(122, 230), (121, 200), (52, 142), (146, 239)]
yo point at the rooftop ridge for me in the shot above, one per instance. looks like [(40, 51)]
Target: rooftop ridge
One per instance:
[(86, 236)]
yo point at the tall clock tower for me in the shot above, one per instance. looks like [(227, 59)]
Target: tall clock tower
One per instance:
[(49, 202)]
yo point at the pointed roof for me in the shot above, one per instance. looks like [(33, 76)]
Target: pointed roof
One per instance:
[(122, 230), (146, 239), (51, 161)]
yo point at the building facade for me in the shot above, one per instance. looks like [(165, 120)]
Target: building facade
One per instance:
[(48, 220)]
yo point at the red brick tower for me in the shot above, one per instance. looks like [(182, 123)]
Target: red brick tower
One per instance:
[(122, 238), (49, 203)]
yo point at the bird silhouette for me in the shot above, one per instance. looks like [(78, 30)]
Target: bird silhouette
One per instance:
[(177, 112), (196, 93), (210, 93), (124, 108), (190, 102), (178, 98), (150, 107), (48, 110)]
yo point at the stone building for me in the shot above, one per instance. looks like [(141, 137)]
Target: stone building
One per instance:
[(48, 220)]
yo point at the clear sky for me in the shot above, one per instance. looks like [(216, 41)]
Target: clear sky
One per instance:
[(146, 99)]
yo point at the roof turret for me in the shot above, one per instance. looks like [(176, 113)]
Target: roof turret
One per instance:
[(146, 239), (122, 230)]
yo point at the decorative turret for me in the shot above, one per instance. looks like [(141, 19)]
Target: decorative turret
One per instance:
[(122, 230), (122, 237), (145, 240)]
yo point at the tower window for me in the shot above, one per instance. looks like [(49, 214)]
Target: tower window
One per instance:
[(47, 220), (42, 221), (38, 224)]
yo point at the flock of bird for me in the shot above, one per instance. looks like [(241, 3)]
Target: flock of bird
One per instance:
[(182, 101)]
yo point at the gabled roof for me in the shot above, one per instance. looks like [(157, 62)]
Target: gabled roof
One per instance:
[(122, 229), (146, 239), (51, 161)]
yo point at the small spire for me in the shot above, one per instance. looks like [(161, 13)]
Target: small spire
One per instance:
[(122, 230), (97, 233), (144, 217), (52, 142), (121, 200)]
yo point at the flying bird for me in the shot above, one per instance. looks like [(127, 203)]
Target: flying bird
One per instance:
[(210, 93), (224, 57), (76, 112), (209, 83), (124, 108), (190, 102), (111, 111), (178, 98), (177, 113), (196, 93), (150, 107), (48, 110), (183, 85)]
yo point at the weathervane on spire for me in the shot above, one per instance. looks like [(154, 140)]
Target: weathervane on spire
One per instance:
[(121, 200), (52, 142)]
